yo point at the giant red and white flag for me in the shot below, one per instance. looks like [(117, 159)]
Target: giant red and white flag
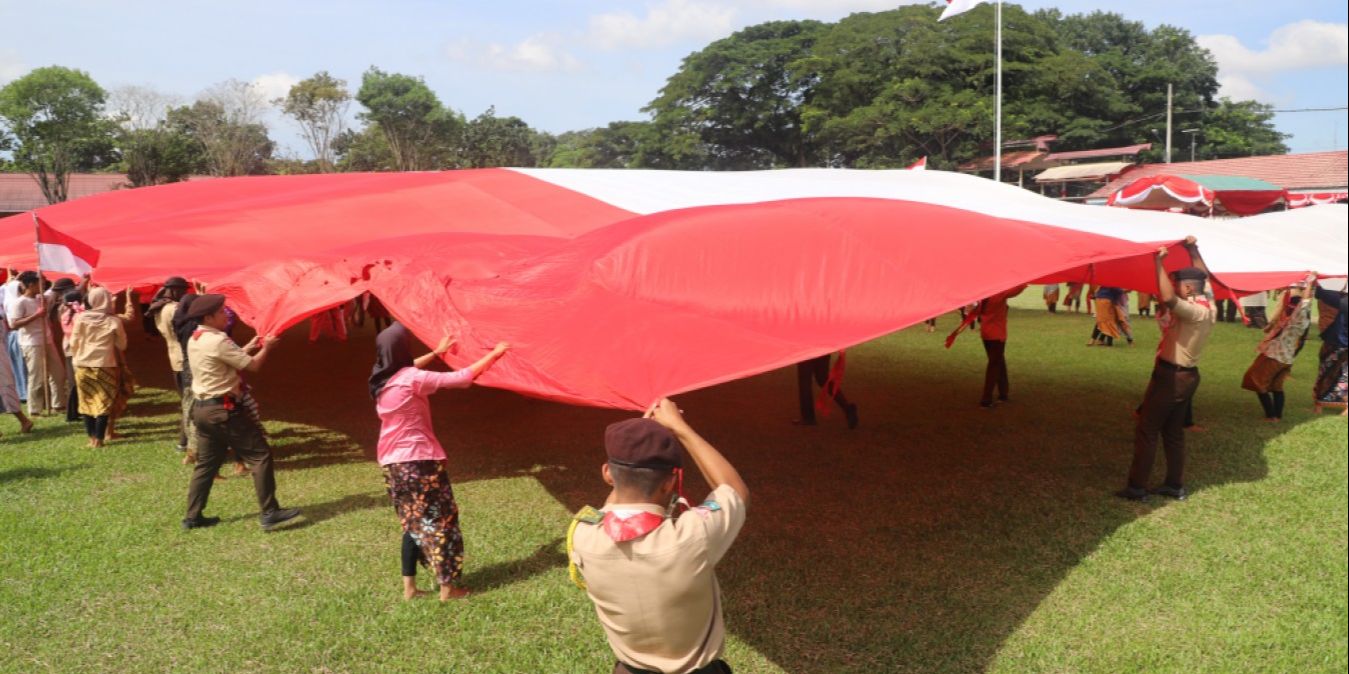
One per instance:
[(954, 7), (64, 254)]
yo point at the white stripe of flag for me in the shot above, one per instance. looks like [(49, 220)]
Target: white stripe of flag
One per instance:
[(954, 7), (64, 254)]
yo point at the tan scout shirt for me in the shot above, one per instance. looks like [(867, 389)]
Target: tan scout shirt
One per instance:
[(657, 597), (216, 361), (1186, 330), (165, 324)]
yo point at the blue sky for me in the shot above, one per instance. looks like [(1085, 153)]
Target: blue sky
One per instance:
[(570, 64)]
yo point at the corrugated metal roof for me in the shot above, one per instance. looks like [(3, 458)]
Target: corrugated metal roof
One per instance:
[(1097, 171), (20, 192), (1312, 170), (1126, 151), (1029, 160)]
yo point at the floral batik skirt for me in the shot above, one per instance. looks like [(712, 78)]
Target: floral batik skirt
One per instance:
[(424, 501), (1332, 382)]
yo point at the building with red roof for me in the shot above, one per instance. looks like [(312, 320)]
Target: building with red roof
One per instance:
[(20, 192), (1325, 173)]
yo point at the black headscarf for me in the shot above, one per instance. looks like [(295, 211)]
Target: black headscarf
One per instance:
[(183, 327), (393, 352)]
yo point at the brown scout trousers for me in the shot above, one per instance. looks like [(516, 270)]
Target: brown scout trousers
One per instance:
[(1163, 413), (218, 429)]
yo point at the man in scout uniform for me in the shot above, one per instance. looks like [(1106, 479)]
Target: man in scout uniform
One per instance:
[(221, 422), (1175, 377), (649, 572), (162, 311)]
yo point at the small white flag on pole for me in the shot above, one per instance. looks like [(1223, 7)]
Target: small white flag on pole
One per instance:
[(61, 253), (954, 7)]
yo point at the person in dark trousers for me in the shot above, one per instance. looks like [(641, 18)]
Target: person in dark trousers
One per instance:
[(817, 369), (220, 418), (992, 317), (1175, 376), (161, 312)]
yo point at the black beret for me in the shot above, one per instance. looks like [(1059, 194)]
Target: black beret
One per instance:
[(205, 305), (1190, 274), (175, 282), (62, 285), (642, 443)]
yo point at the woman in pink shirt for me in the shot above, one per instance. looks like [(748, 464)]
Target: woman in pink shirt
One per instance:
[(413, 460)]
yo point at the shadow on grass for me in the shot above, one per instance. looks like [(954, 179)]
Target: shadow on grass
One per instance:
[(36, 473), (547, 557), (918, 542), (300, 448)]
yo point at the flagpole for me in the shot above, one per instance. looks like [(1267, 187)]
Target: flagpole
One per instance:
[(997, 99), (47, 405)]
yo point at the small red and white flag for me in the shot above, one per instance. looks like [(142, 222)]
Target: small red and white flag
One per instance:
[(63, 254), (954, 7), (920, 165)]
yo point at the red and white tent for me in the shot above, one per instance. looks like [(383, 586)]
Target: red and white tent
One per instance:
[(616, 287), (1201, 194)]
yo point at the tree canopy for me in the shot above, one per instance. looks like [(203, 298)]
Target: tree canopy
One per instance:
[(55, 126), (882, 89)]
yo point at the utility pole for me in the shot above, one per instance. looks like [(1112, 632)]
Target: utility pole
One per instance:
[(1193, 133), (997, 98), (1168, 123)]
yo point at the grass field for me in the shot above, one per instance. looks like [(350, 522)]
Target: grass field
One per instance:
[(936, 537)]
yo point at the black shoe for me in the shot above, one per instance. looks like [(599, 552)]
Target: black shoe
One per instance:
[(200, 522), (986, 404), (1133, 494), (1168, 491), (851, 414), (803, 422), (278, 516)]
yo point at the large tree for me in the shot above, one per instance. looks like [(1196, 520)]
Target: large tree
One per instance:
[(319, 105), (227, 125), (419, 131), (738, 100), (152, 150), (1237, 129), (882, 89), (54, 125), (364, 150), (498, 141)]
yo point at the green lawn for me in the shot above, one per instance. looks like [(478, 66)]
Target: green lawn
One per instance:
[(936, 537)]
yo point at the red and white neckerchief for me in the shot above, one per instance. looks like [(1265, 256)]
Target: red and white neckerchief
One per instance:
[(627, 525)]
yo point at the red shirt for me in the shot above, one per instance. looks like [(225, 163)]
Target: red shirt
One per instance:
[(993, 315)]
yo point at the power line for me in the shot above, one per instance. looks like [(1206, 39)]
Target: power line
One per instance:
[(1156, 115), (1338, 109)]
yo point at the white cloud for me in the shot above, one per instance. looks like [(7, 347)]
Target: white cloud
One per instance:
[(11, 66), (1239, 88), (1302, 45), (536, 53), (664, 23), (274, 85)]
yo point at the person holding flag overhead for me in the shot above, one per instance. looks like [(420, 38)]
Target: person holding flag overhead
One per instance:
[(649, 568), (1175, 376)]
